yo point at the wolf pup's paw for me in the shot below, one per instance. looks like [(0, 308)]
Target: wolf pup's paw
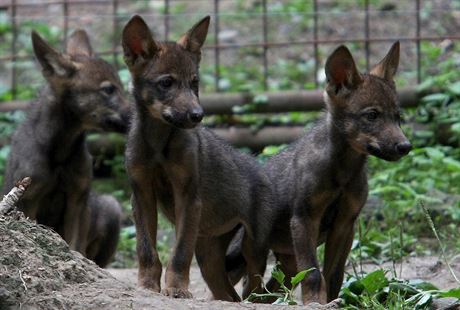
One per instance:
[(149, 285), (175, 292)]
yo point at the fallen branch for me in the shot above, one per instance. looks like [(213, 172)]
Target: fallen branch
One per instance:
[(11, 199)]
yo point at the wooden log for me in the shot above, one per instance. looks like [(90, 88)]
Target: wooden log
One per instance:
[(108, 145), (258, 139), (285, 101), (276, 102)]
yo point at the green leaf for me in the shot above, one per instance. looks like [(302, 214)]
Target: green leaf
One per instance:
[(374, 281), (426, 84), (424, 301), (424, 134), (280, 301), (278, 275), (300, 276), (349, 297), (455, 292), (434, 153), (403, 289), (356, 287), (454, 88), (261, 297), (439, 97), (422, 285), (455, 128), (451, 164)]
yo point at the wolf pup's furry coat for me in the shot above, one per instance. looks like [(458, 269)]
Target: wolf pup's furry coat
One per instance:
[(202, 185), (83, 93)]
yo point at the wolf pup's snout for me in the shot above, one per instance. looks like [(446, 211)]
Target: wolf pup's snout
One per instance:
[(196, 115), (116, 123), (403, 148), (186, 112)]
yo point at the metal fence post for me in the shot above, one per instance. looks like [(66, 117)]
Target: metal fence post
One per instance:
[(65, 10), (115, 39), (315, 39), (366, 34), (417, 42), (265, 40), (166, 20), (13, 49), (217, 47)]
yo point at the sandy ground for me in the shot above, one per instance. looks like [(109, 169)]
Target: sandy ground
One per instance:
[(428, 268), (38, 271)]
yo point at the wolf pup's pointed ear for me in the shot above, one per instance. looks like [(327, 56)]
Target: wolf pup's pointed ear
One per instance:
[(387, 67), (194, 39), (79, 44), (52, 62), (137, 41), (341, 72)]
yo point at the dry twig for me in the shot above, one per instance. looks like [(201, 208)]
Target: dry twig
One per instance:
[(11, 199)]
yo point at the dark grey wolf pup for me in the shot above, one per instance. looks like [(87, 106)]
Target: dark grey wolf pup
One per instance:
[(83, 93), (321, 180), (202, 185)]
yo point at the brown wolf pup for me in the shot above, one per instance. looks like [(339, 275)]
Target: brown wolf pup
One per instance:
[(321, 180), (202, 185), (83, 93)]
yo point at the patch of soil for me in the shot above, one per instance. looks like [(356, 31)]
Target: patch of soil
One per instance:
[(428, 268), (39, 271)]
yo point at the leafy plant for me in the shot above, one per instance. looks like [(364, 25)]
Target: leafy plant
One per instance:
[(430, 175), (378, 246), (376, 291), (284, 295), (441, 110)]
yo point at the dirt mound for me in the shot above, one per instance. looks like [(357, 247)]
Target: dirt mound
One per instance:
[(34, 260), (39, 271)]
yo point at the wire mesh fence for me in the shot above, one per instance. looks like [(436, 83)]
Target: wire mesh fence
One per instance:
[(252, 45)]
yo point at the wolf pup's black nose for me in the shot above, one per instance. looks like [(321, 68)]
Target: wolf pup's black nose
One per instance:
[(196, 115), (403, 148)]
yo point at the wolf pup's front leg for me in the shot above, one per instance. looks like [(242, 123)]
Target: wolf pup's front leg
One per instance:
[(161, 155), (187, 221), (143, 203)]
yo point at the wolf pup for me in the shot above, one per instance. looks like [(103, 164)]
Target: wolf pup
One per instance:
[(83, 93), (202, 185), (321, 180)]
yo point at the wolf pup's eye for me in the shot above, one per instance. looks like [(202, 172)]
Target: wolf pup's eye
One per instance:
[(166, 82), (372, 115), (108, 89)]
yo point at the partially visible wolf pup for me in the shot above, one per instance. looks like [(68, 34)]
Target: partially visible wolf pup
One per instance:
[(321, 180), (83, 93), (202, 185), (104, 228)]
